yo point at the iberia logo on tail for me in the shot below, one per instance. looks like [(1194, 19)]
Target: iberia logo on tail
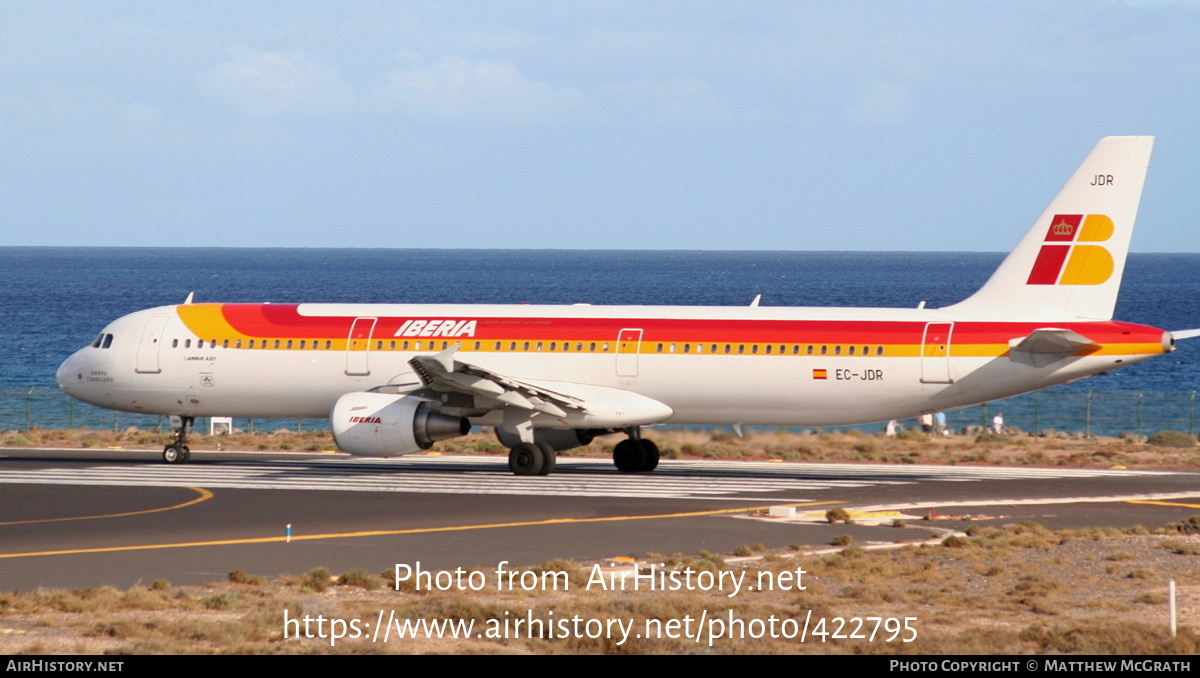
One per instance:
[(1065, 260)]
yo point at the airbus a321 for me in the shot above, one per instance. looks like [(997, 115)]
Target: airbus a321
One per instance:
[(395, 378)]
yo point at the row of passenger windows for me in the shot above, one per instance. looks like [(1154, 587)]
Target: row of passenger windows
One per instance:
[(768, 349), (265, 343), (539, 346)]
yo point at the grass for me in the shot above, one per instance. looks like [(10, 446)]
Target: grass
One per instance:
[(716, 444), (994, 593)]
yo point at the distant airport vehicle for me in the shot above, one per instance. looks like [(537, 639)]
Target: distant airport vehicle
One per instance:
[(395, 378)]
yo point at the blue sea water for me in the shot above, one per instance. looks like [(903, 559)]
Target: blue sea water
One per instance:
[(55, 300)]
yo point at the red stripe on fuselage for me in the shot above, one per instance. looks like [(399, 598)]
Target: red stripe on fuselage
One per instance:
[(285, 322)]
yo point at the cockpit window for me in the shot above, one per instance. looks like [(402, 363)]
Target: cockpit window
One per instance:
[(97, 340), (107, 341)]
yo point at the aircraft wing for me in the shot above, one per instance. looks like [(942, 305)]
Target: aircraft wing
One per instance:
[(572, 404), (1048, 344)]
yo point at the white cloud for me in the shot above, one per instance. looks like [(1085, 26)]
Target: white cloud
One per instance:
[(488, 91), (274, 83), (674, 100)]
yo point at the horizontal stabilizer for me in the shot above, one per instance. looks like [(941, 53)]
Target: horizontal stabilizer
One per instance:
[(1185, 334), (1048, 344)]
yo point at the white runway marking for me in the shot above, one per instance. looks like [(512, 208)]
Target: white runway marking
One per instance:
[(572, 477)]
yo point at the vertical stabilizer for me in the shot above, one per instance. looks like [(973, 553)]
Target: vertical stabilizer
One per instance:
[(1069, 265)]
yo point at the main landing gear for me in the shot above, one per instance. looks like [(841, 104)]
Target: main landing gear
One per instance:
[(178, 452), (532, 459), (635, 455)]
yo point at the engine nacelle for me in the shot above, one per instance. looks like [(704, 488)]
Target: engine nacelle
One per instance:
[(558, 438), (369, 424)]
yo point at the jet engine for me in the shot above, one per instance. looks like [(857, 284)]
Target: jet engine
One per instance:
[(369, 424), (558, 438)]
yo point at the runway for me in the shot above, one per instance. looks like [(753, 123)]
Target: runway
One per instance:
[(73, 518)]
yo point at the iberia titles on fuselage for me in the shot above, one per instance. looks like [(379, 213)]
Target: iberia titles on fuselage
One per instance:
[(394, 378)]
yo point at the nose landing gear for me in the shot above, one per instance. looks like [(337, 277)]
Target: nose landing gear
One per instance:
[(178, 452)]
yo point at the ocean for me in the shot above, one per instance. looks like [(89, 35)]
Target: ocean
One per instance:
[(55, 299)]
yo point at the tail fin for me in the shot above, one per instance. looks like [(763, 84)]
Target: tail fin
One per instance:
[(1069, 265)]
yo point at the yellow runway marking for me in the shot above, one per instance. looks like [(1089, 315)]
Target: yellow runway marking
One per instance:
[(384, 533), (1163, 503), (205, 495)]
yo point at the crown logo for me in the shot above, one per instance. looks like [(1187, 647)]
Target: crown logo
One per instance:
[(1062, 228)]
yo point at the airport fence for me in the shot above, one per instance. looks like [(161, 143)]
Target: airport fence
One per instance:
[(1087, 412)]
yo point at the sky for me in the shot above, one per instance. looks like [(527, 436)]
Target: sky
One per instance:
[(610, 124)]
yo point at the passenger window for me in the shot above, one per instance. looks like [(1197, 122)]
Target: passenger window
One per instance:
[(328, 343), (276, 343), (850, 351), (592, 347), (525, 346), (605, 347), (866, 350), (824, 350), (659, 348), (174, 343), (237, 344), (289, 343), (477, 346), (741, 348), (837, 350), (539, 346), (878, 350), (687, 348), (753, 348), (224, 343), (187, 343)]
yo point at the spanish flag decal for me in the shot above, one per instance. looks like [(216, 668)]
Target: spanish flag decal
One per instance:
[(1063, 260), (820, 374)]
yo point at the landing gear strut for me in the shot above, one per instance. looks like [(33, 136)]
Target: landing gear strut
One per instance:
[(635, 454), (532, 459), (178, 452)]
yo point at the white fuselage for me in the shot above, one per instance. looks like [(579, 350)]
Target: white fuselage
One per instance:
[(740, 365)]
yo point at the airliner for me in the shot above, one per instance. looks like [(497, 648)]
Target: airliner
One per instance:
[(395, 378)]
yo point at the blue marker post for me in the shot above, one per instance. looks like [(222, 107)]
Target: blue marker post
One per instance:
[(289, 533)]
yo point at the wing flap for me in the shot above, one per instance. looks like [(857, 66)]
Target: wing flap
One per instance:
[(570, 404)]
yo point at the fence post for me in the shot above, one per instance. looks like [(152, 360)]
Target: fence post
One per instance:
[(115, 424), (1139, 418), (1087, 416), (1192, 413), (29, 409), (984, 420), (1037, 420)]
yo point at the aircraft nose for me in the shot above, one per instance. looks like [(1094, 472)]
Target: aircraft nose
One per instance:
[(70, 373)]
